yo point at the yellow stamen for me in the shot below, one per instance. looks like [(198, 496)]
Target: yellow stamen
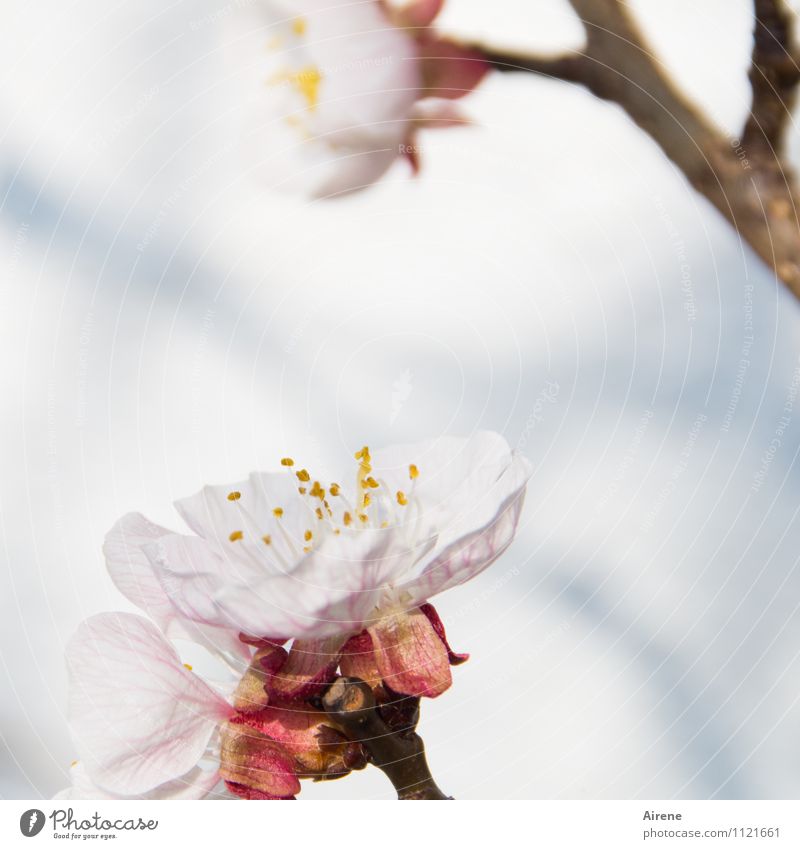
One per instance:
[(236, 535), (303, 475), (363, 454), (278, 512), (413, 472), (287, 461), (188, 666), (307, 536), (73, 764), (302, 490), (370, 482), (266, 539), (363, 517), (319, 513), (234, 496), (367, 500), (306, 548), (336, 531), (335, 489), (299, 26), (402, 499), (317, 491), (347, 519), (307, 81)]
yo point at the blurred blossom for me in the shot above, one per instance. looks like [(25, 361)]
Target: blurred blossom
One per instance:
[(334, 92)]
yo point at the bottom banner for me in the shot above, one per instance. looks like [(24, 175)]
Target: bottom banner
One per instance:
[(393, 824)]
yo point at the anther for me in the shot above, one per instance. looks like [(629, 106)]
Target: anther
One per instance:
[(278, 512), (303, 475), (287, 461), (413, 472), (234, 496), (402, 499), (236, 535)]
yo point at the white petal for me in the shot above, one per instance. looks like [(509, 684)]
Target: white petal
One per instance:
[(481, 534), (132, 573), (140, 719), (130, 569), (333, 591), (196, 784), (458, 488)]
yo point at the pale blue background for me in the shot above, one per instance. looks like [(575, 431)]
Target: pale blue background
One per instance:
[(166, 322)]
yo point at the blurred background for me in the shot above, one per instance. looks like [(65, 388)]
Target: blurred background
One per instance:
[(167, 323)]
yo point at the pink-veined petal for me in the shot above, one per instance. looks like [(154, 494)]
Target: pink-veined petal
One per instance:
[(198, 783), (133, 575), (358, 659), (251, 692), (481, 534), (455, 658), (409, 654), (333, 591), (139, 717), (311, 664), (253, 760)]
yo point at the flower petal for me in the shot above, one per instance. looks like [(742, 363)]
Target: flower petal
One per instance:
[(130, 569), (140, 718), (251, 692), (311, 664), (358, 660), (476, 538), (455, 658), (249, 758), (410, 655), (195, 784), (133, 575), (338, 93), (449, 70), (333, 591)]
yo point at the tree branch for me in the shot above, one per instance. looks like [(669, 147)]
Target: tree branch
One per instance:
[(398, 752), (748, 181), (774, 75)]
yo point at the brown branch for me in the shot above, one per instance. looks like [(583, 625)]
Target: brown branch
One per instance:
[(398, 753), (774, 75), (747, 181)]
